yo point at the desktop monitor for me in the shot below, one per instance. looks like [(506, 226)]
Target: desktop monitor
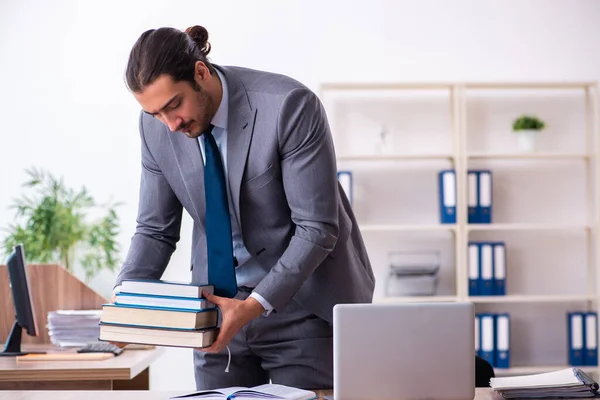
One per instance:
[(25, 313)]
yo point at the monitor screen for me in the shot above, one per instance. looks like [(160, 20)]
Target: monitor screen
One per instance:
[(19, 282)]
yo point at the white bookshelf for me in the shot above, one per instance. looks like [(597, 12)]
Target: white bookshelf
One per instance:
[(527, 227), (417, 299), (459, 153), (556, 298), (407, 228), (535, 156), (404, 157)]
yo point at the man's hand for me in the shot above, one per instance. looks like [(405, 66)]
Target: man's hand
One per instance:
[(236, 314)]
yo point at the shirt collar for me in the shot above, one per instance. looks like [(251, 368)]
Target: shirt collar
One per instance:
[(220, 117)]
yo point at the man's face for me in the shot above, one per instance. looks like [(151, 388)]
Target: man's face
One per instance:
[(179, 105)]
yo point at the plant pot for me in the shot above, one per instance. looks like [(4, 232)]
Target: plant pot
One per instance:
[(526, 139)]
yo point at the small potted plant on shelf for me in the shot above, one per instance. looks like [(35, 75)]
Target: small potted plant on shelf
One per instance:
[(526, 128)]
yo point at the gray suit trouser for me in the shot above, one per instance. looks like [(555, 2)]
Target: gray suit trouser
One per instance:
[(293, 348)]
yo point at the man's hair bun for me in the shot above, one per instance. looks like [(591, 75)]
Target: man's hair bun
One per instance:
[(199, 35)]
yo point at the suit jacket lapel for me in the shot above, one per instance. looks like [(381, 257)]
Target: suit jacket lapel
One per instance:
[(191, 167), (240, 126)]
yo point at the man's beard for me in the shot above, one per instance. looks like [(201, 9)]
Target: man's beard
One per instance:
[(209, 110)]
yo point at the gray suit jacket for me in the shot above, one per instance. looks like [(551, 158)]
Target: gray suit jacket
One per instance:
[(295, 220)]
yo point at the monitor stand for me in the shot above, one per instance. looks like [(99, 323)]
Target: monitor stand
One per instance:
[(12, 346)]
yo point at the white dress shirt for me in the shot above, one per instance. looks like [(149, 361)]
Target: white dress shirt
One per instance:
[(248, 272)]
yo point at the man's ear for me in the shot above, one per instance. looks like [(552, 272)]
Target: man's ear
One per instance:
[(201, 72)]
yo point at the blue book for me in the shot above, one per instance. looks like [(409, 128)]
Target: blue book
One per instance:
[(484, 214), (590, 356), (162, 302), (499, 284), (447, 196), (575, 337), (158, 317), (486, 271), (473, 262), (473, 196), (478, 335), (502, 340), (480, 196), (171, 337), (345, 180), (487, 347)]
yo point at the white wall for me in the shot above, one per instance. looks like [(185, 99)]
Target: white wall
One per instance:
[(65, 108)]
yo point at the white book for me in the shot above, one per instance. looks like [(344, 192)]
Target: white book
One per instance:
[(165, 288), (195, 338)]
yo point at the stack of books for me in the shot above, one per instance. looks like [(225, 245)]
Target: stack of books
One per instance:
[(160, 313)]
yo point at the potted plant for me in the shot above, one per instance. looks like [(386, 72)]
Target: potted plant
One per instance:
[(526, 127), (53, 226)]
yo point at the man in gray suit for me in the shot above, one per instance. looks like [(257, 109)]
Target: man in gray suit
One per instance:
[(297, 249)]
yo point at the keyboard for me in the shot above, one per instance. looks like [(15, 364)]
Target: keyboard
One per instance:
[(101, 347)]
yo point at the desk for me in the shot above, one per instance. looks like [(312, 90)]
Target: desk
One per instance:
[(128, 371), (480, 394)]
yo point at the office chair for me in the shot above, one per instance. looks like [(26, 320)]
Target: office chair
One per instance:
[(483, 372)]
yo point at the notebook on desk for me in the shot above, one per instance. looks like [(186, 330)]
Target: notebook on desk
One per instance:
[(404, 351)]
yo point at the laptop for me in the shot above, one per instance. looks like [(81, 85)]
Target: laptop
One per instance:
[(404, 351)]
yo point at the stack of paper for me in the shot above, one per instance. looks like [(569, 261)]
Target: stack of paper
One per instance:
[(73, 328), (565, 383)]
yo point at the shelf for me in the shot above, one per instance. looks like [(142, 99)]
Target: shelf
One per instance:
[(526, 227), (472, 156), (385, 85), (416, 299), (447, 85), (407, 228), (479, 111), (538, 370), (531, 156), (531, 298), (396, 157), (529, 85), (490, 299)]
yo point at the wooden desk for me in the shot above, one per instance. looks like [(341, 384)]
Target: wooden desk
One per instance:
[(480, 394), (128, 371)]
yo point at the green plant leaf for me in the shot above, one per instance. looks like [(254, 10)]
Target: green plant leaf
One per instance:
[(52, 224), (525, 122)]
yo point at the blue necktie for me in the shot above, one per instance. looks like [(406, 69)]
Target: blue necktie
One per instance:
[(221, 270)]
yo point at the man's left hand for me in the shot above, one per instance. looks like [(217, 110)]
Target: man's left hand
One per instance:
[(235, 314)]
